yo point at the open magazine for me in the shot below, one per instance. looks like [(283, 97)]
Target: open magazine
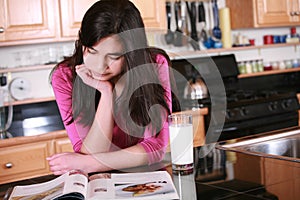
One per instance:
[(77, 185)]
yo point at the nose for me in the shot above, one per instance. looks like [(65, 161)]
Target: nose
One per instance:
[(102, 65)]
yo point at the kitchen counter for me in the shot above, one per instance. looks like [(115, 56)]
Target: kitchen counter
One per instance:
[(218, 174), (24, 157), (36, 138)]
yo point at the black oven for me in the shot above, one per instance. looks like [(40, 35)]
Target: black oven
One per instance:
[(247, 110)]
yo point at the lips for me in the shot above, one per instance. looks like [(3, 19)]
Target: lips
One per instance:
[(99, 76)]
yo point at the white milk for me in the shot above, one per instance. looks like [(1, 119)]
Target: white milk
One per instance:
[(181, 144)]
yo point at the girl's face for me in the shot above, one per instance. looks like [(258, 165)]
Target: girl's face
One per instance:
[(105, 60)]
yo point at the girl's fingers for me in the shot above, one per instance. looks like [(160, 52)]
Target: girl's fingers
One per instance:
[(55, 156), (87, 77)]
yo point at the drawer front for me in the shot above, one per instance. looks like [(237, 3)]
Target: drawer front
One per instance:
[(24, 161)]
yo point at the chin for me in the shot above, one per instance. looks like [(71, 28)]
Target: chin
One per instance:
[(102, 78)]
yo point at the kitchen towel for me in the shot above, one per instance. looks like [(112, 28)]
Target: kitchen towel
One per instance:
[(225, 27)]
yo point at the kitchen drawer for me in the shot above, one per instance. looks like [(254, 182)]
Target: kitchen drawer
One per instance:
[(24, 161)]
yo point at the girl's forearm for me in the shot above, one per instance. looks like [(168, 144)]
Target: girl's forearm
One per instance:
[(133, 156), (99, 136)]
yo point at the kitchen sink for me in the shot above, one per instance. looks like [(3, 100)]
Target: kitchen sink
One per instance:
[(289, 147), (284, 146)]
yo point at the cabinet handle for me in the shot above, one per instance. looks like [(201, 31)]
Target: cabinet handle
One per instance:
[(1, 30), (292, 13), (297, 13), (8, 165)]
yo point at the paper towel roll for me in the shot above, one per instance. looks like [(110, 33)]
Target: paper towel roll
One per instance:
[(225, 26)]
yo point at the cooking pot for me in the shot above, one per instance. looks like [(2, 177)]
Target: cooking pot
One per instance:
[(195, 89)]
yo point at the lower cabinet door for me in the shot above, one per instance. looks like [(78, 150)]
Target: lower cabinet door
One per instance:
[(63, 145), (24, 161)]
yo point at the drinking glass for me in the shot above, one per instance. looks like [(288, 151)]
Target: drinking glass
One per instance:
[(181, 143)]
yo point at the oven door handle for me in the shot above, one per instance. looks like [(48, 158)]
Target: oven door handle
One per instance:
[(228, 129)]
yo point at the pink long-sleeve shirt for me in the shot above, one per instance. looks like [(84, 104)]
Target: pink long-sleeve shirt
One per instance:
[(155, 146)]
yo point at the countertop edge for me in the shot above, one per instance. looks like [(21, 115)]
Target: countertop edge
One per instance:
[(28, 139)]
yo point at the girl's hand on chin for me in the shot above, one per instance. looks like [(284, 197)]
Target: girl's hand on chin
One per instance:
[(86, 76)]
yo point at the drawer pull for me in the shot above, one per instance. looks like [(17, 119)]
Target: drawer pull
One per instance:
[(8, 165), (1, 30)]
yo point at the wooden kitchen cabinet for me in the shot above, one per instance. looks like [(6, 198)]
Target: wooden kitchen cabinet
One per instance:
[(72, 12), (27, 20), (282, 178), (279, 177), (263, 13), (25, 157), (153, 13), (24, 161), (63, 145), (36, 21)]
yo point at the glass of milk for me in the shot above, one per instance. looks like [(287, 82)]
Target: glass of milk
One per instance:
[(181, 143)]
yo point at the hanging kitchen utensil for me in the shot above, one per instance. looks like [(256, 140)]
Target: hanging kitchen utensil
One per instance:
[(192, 14), (184, 24), (216, 31), (178, 32), (202, 20), (201, 12), (169, 36), (211, 17), (209, 24)]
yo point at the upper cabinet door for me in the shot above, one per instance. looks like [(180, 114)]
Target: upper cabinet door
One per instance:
[(35, 21), (263, 13), (27, 19), (71, 13), (153, 13), (270, 12)]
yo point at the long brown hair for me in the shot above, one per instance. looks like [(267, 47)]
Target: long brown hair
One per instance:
[(103, 19)]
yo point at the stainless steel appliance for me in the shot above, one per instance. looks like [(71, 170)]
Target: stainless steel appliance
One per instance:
[(195, 89), (248, 111)]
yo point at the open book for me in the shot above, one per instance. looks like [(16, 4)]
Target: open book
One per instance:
[(77, 185)]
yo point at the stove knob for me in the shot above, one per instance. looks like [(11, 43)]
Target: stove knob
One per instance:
[(229, 114), (244, 111), (273, 106), (286, 104)]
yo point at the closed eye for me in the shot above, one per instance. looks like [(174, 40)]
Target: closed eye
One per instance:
[(115, 56), (92, 51)]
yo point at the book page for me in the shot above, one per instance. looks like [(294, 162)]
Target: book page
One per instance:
[(77, 181), (146, 185), (73, 181), (100, 187), (48, 190)]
